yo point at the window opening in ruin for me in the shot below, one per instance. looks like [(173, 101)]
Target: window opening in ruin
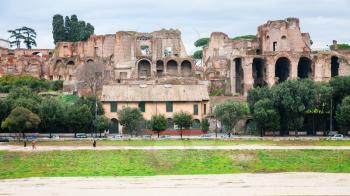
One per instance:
[(186, 68), (304, 68), (334, 66), (71, 63), (145, 50), (144, 69), (239, 76), (89, 61), (258, 52), (51, 77), (274, 46), (259, 74), (172, 67), (60, 77), (282, 69), (160, 67), (284, 37), (167, 51)]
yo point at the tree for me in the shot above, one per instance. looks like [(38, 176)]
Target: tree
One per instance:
[(20, 120), (198, 54), (229, 113), (70, 29), (16, 36), (266, 116), (58, 28), (91, 102), (5, 109), (130, 118), (183, 120), (158, 123), (205, 125), (202, 42), (51, 113), (78, 118), (102, 123), (91, 75), (29, 36), (343, 115)]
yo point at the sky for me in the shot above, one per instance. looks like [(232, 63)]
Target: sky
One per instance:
[(325, 20)]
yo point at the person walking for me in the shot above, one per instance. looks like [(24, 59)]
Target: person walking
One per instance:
[(25, 143), (94, 144), (33, 144)]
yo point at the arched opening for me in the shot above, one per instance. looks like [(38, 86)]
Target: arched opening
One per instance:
[(304, 68), (170, 123), (239, 76), (160, 67), (259, 72), (172, 67), (114, 126), (196, 124), (186, 68), (334, 66), (144, 69), (37, 54), (89, 61), (71, 63), (282, 69)]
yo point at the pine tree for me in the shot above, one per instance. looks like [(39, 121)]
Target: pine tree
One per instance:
[(58, 28)]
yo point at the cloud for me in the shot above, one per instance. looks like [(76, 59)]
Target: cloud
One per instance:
[(325, 20)]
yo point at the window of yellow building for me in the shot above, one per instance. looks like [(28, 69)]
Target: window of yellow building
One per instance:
[(205, 109), (169, 106), (195, 109), (113, 107), (142, 106)]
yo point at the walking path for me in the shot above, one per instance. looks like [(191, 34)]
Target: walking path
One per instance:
[(190, 185), (235, 147)]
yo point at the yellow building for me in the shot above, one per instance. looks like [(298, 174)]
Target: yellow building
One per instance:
[(156, 99)]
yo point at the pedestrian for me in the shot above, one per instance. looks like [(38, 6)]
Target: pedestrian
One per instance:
[(25, 143), (33, 144), (94, 144)]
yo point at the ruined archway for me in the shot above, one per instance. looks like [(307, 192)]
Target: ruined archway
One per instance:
[(144, 68), (186, 68), (304, 68), (259, 72), (282, 69), (239, 76), (70, 63), (334, 66), (89, 61), (160, 67), (172, 67)]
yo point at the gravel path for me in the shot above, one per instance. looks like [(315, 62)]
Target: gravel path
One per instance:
[(202, 185), (236, 147)]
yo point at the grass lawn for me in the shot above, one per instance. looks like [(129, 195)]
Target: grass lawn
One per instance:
[(195, 142), (168, 162)]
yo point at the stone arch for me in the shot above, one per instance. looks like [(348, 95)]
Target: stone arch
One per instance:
[(304, 68), (114, 126), (239, 76), (334, 66), (144, 68), (196, 124), (172, 67), (160, 67), (259, 72), (282, 69), (70, 63), (186, 68), (171, 124), (89, 61)]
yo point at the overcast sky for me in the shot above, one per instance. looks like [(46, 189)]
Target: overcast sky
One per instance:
[(325, 20)]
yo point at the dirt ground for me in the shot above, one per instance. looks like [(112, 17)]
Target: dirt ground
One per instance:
[(202, 185), (236, 147)]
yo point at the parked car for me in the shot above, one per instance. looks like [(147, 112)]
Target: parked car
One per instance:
[(165, 136), (337, 137), (55, 137), (4, 139), (118, 137), (147, 136), (30, 137), (81, 135)]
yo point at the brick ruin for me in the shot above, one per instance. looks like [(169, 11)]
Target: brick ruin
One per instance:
[(280, 51)]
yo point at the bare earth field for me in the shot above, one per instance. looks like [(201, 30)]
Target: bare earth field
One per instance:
[(203, 185)]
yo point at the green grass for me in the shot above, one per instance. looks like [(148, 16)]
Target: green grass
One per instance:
[(168, 162), (196, 142)]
